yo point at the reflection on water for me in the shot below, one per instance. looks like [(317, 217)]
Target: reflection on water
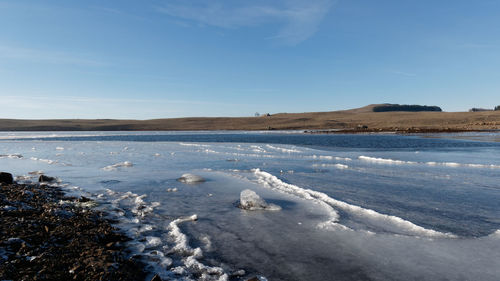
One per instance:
[(492, 136)]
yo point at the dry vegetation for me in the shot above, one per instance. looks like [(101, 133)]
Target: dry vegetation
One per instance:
[(360, 119)]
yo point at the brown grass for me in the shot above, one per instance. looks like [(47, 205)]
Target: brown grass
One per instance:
[(343, 120)]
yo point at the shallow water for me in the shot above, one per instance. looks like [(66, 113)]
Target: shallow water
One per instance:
[(353, 207)]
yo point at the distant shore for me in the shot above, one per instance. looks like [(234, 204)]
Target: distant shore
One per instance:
[(398, 131), (361, 120)]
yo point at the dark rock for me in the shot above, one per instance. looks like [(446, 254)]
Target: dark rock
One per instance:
[(359, 127), (63, 213), (44, 178), (84, 199), (6, 178)]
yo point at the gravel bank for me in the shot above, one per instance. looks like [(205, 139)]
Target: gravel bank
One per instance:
[(46, 235)]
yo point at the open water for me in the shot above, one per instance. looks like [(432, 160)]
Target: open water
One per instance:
[(353, 207)]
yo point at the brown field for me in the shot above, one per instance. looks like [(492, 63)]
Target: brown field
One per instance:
[(354, 120)]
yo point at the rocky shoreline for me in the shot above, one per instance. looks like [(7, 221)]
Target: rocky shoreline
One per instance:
[(401, 131), (47, 235)]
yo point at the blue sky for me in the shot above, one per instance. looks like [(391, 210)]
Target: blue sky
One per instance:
[(156, 59)]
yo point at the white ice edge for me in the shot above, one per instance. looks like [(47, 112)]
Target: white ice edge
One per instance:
[(282, 149), (12, 156), (192, 255), (329, 157), (447, 164), (338, 166), (194, 144), (138, 228), (48, 161), (389, 223), (265, 151)]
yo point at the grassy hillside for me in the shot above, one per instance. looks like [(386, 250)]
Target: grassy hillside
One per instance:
[(354, 119)]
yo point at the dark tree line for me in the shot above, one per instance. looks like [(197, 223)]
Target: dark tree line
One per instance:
[(474, 109), (405, 107)]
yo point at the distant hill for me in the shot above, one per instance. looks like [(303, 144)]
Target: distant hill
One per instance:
[(405, 107), (367, 119)]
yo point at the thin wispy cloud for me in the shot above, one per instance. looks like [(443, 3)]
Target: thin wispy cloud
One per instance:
[(39, 102), (475, 46), (45, 56), (119, 12), (298, 19), (39, 107), (403, 73), (94, 107), (115, 100)]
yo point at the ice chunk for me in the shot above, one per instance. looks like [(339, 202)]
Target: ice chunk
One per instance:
[(48, 161), (14, 240), (22, 178), (145, 228), (153, 241), (136, 247), (31, 258), (190, 178), (9, 208), (495, 234), (240, 272), (118, 165), (12, 156), (249, 200), (158, 258)]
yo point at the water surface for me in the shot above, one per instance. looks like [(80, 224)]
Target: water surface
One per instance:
[(353, 207)]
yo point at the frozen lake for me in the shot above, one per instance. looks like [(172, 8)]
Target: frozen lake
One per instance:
[(351, 207)]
